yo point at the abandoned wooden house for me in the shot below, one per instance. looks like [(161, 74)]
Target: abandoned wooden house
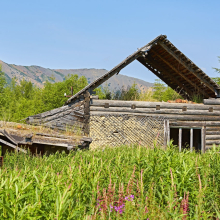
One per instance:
[(111, 122)]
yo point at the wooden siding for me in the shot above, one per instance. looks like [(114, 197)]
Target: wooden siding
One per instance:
[(69, 117), (178, 114)]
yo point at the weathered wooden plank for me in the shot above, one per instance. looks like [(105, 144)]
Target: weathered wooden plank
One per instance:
[(167, 116), (87, 113), (55, 112), (60, 115), (180, 139), (142, 104), (194, 123), (212, 137), (212, 132), (191, 139), (13, 146), (216, 128), (203, 137), (211, 142), (211, 101), (154, 111)]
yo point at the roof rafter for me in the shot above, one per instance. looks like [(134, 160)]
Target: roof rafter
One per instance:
[(184, 77), (187, 67)]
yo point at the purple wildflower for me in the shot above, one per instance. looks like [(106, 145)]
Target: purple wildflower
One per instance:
[(119, 208), (129, 198)]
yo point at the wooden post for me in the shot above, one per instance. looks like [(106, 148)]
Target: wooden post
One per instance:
[(203, 130), (180, 139), (166, 133), (191, 139), (86, 112)]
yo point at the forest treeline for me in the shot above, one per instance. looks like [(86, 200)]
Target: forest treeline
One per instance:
[(23, 99)]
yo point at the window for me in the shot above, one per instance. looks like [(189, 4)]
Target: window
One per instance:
[(188, 138)]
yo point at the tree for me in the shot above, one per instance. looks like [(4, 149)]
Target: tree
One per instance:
[(158, 89), (164, 93), (103, 92), (131, 93), (217, 79), (216, 69)]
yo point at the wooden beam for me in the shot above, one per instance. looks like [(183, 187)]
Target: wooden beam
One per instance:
[(187, 92), (86, 112), (166, 133), (182, 75), (13, 146), (143, 104), (211, 87), (180, 139), (184, 94), (153, 111), (191, 139), (212, 132), (211, 101), (203, 141), (197, 124), (184, 118)]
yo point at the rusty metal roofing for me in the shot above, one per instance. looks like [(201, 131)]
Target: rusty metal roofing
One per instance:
[(169, 64)]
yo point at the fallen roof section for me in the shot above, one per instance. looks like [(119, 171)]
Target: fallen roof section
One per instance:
[(169, 64), (14, 135)]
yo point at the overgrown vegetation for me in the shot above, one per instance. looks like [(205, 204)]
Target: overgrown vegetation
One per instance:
[(118, 183)]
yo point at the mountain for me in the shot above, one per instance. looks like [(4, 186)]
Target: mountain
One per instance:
[(38, 75)]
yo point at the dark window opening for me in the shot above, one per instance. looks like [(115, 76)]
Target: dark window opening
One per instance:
[(174, 135)]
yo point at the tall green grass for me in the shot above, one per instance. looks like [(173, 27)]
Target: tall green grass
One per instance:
[(115, 183)]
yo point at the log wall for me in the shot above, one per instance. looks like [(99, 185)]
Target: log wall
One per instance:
[(179, 114)]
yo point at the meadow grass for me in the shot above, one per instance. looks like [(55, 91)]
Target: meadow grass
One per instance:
[(127, 182)]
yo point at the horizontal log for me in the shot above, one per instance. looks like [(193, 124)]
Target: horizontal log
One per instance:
[(211, 101), (202, 123), (154, 111), (142, 104), (212, 132), (213, 128), (211, 142), (212, 137), (166, 116)]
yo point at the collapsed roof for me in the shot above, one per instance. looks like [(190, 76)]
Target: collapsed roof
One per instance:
[(169, 64), (15, 135)]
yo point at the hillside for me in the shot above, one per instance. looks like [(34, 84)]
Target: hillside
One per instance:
[(38, 75)]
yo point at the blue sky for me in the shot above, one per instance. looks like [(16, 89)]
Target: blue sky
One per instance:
[(73, 34)]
